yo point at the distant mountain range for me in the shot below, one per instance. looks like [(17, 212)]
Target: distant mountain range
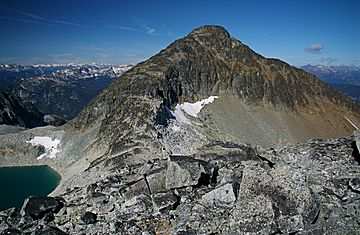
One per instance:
[(345, 79), (64, 89), (61, 89), (335, 74)]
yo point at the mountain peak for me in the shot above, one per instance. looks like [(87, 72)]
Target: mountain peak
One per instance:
[(210, 30), (209, 62), (213, 37)]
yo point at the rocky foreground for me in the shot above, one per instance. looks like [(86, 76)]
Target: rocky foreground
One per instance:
[(226, 188)]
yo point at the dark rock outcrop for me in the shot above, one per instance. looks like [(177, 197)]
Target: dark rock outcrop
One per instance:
[(54, 120), (89, 218), (35, 217), (16, 112), (38, 207)]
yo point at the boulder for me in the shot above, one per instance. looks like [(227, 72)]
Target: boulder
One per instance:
[(38, 207), (222, 196), (355, 184), (89, 218), (11, 231), (54, 120), (165, 200), (185, 171)]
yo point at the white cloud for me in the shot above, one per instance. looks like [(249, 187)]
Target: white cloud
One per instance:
[(37, 19), (150, 30), (121, 27), (315, 48)]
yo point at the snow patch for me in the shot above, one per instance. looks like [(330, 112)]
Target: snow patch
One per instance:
[(50, 145), (180, 116), (193, 109)]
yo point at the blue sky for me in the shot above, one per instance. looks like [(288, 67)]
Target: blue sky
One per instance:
[(119, 32)]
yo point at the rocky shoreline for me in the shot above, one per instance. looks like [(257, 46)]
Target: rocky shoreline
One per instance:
[(16, 151)]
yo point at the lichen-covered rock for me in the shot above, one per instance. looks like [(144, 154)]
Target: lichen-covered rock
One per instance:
[(255, 215), (221, 196), (54, 120), (165, 200), (184, 171)]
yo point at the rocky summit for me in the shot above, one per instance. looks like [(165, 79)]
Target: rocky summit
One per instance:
[(199, 139), (261, 101)]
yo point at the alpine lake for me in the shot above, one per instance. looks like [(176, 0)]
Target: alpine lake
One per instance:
[(18, 183)]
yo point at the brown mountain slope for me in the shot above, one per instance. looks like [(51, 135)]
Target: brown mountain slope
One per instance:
[(261, 101)]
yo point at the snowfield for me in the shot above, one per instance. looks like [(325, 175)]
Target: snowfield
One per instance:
[(50, 145), (193, 109)]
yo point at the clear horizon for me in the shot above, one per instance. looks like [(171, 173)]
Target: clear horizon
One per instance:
[(127, 32)]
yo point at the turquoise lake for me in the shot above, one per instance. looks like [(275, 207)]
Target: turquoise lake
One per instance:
[(18, 183)]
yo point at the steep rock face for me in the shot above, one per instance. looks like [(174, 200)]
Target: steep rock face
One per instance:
[(13, 111), (59, 97)]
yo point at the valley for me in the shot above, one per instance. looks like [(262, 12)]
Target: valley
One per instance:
[(58, 89), (345, 79)]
